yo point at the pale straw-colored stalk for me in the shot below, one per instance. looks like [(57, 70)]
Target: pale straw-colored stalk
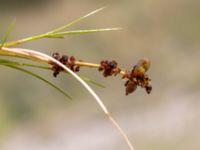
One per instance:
[(35, 55)]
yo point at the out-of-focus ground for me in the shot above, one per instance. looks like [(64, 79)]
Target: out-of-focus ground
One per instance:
[(34, 116)]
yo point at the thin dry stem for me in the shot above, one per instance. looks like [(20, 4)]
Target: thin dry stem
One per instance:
[(93, 65), (31, 54), (121, 131)]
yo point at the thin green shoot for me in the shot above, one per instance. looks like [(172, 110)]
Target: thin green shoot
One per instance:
[(59, 33), (75, 21), (85, 31), (8, 31), (9, 62), (38, 77)]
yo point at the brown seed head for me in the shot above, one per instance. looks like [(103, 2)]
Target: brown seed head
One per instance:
[(141, 68)]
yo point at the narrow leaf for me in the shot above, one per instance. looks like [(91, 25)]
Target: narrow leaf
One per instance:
[(8, 31), (40, 78), (85, 31), (76, 21), (8, 62), (55, 36)]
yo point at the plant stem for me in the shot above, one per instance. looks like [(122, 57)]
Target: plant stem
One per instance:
[(76, 21), (93, 65), (5, 51), (28, 39), (121, 131), (34, 55), (56, 35)]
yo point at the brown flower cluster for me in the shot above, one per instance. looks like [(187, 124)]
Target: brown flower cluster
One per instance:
[(67, 61), (138, 77), (109, 68), (135, 77)]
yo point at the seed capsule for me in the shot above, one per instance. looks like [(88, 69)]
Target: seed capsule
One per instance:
[(148, 89), (56, 55), (131, 86), (141, 68)]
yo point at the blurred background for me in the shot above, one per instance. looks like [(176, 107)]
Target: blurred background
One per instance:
[(34, 116)]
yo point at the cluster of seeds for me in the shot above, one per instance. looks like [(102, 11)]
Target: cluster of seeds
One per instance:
[(67, 61), (138, 77), (109, 68), (135, 77)]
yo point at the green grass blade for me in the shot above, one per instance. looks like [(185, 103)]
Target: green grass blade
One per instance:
[(76, 21), (8, 62), (55, 36), (8, 31), (85, 31), (40, 78), (59, 33)]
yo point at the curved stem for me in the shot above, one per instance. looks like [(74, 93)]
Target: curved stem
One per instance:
[(31, 54)]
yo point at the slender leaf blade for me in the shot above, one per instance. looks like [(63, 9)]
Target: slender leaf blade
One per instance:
[(87, 31), (8, 31), (9, 62), (40, 78), (76, 21), (15, 63)]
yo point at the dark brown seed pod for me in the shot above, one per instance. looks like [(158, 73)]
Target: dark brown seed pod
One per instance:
[(131, 86), (109, 68), (148, 89), (72, 59), (64, 59), (67, 61), (56, 55), (112, 64)]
